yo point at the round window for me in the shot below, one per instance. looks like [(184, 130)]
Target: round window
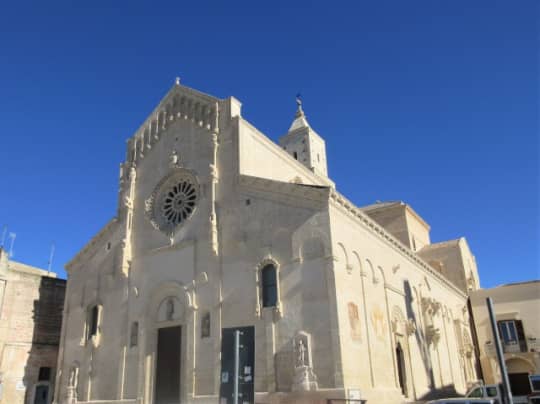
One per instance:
[(173, 201), (178, 202)]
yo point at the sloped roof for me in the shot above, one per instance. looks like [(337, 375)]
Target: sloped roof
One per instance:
[(380, 205)]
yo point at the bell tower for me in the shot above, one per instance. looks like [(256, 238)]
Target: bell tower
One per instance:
[(304, 144)]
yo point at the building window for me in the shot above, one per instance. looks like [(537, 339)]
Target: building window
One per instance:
[(295, 154), (508, 332), (92, 323), (269, 286), (173, 201), (134, 335), (512, 335), (44, 374), (205, 325)]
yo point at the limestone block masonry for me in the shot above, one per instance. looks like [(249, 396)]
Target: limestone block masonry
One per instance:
[(31, 302), (219, 228)]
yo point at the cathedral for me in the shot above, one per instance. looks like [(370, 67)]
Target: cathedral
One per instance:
[(234, 268)]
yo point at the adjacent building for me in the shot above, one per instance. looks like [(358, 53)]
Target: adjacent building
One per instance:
[(517, 312), (220, 233), (31, 302)]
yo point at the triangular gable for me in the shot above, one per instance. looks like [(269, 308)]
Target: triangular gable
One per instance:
[(180, 102)]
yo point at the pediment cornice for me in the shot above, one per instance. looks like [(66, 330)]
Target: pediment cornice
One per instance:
[(180, 103), (90, 248), (352, 211)]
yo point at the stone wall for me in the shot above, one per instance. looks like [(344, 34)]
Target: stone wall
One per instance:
[(30, 323)]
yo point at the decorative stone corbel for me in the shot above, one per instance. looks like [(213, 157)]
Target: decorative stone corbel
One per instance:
[(410, 327), (278, 310), (128, 202), (394, 325), (433, 335)]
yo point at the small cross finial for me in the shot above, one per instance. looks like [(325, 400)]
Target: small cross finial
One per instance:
[(177, 81)]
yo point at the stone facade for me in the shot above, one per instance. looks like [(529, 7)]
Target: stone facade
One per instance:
[(31, 302), (516, 309), (219, 228)]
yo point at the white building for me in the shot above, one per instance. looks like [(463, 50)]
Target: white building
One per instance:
[(516, 307), (218, 228)]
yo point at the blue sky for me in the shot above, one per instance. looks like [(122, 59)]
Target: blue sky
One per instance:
[(431, 102)]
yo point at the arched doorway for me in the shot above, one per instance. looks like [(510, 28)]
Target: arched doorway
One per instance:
[(169, 342), (168, 351), (167, 338), (518, 374), (402, 374)]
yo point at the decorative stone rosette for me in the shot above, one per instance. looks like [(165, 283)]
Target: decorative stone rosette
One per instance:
[(173, 201)]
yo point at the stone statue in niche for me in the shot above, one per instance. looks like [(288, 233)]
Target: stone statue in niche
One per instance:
[(73, 376), (301, 358), (174, 159), (73, 381), (170, 309), (304, 378)]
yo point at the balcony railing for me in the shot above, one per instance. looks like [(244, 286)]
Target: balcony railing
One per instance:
[(519, 346)]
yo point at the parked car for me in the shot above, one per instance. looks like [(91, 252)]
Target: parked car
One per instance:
[(534, 398), (494, 391), (463, 400), (491, 391)]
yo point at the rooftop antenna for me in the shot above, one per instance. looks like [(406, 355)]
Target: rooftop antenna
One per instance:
[(12, 236), (4, 233), (51, 256)]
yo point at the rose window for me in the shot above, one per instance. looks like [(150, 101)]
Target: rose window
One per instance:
[(173, 201), (179, 202)]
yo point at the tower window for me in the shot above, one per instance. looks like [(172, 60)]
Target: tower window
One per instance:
[(134, 336), (44, 374), (269, 285), (295, 154), (92, 325), (318, 157)]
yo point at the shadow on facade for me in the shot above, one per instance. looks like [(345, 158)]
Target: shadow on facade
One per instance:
[(40, 368), (419, 335), (442, 392)]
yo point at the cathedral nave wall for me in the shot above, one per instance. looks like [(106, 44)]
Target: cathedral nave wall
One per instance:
[(367, 266)]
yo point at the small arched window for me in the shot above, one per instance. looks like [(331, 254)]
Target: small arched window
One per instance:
[(93, 317), (269, 286), (295, 154), (134, 336)]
